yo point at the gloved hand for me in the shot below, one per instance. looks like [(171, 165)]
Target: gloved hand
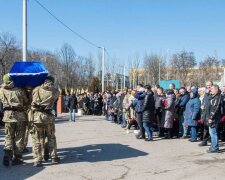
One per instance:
[(200, 121), (223, 119)]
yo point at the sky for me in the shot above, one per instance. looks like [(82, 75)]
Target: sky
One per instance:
[(124, 27)]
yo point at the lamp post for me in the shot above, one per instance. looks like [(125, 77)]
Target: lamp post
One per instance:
[(24, 30), (103, 69)]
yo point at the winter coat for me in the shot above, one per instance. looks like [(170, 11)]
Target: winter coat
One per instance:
[(168, 113), (158, 101), (130, 109), (205, 105), (140, 96), (192, 110), (148, 107), (181, 103), (126, 102), (72, 102), (214, 109)]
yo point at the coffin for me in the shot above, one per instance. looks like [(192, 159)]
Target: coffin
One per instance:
[(28, 74)]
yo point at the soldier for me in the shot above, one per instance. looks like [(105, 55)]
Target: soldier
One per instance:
[(28, 91), (15, 104), (42, 121)]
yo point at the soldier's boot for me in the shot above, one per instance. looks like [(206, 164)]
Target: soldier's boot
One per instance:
[(7, 157), (46, 154), (38, 164), (17, 160), (56, 160)]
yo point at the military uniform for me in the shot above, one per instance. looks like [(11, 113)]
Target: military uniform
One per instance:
[(15, 103), (27, 131), (42, 120)]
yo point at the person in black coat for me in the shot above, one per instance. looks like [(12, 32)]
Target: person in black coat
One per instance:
[(205, 104), (72, 105), (213, 116), (148, 112)]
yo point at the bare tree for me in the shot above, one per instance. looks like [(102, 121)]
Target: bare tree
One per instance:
[(209, 69), (153, 63), (9, 52), (182, 64), (67, 57), (136, 61)]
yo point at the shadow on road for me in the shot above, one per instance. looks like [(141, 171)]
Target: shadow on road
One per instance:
[(99, 152), (15, 172)]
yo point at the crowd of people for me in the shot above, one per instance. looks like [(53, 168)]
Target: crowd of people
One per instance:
[(90, 103), (188, 112)]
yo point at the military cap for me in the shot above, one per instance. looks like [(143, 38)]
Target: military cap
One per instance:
[(7, 79), (51, 78)]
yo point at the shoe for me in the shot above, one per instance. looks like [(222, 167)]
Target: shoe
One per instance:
[(212, 151), (192, 140), (184, 137), (6, 160), (25, 150), (127, 131), (7, 157), (38, 164), (56, 160), (140, 137), (148, 139), (203, 143), (167, 137), (17, 161)]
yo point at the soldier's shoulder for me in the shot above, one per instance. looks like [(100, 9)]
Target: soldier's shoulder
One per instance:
[(36, 88)]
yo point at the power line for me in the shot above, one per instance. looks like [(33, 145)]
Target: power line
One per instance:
[(110, 57), (66, 26)]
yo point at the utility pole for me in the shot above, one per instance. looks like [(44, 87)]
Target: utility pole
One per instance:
[(103, 69), (124, 77), (24, 30)]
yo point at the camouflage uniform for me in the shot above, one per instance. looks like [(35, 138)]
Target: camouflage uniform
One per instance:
[(42, 120), (27, 131), (15, 103)]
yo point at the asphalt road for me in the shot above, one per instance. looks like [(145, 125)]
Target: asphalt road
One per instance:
[(93, 148)]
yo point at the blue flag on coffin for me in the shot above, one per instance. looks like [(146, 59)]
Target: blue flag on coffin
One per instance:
[(28, 73)]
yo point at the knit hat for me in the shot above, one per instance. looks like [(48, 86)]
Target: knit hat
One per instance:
[(51, 78), (195, 92), (7, 79)]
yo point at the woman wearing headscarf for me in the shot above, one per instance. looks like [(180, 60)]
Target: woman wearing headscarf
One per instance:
[(192, 113)]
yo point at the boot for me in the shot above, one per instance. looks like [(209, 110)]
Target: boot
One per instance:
[(7, 157), (17, 161), (25, 150), (38, 164), (203, 143), (169, 134), (46, 154), (56, 160)]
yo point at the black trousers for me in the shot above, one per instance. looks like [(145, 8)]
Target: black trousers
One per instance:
[(205, 132), (140, 124)]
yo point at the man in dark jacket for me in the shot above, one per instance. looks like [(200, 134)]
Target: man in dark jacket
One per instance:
[(148, 112), (205, 104), (140, 95), (158, 96), (213, 116), (72, 105), (180, 108)]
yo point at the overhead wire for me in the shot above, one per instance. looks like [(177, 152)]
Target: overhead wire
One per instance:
[(65, 25)]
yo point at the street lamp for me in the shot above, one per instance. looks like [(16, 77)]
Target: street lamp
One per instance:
[(24, 30)]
